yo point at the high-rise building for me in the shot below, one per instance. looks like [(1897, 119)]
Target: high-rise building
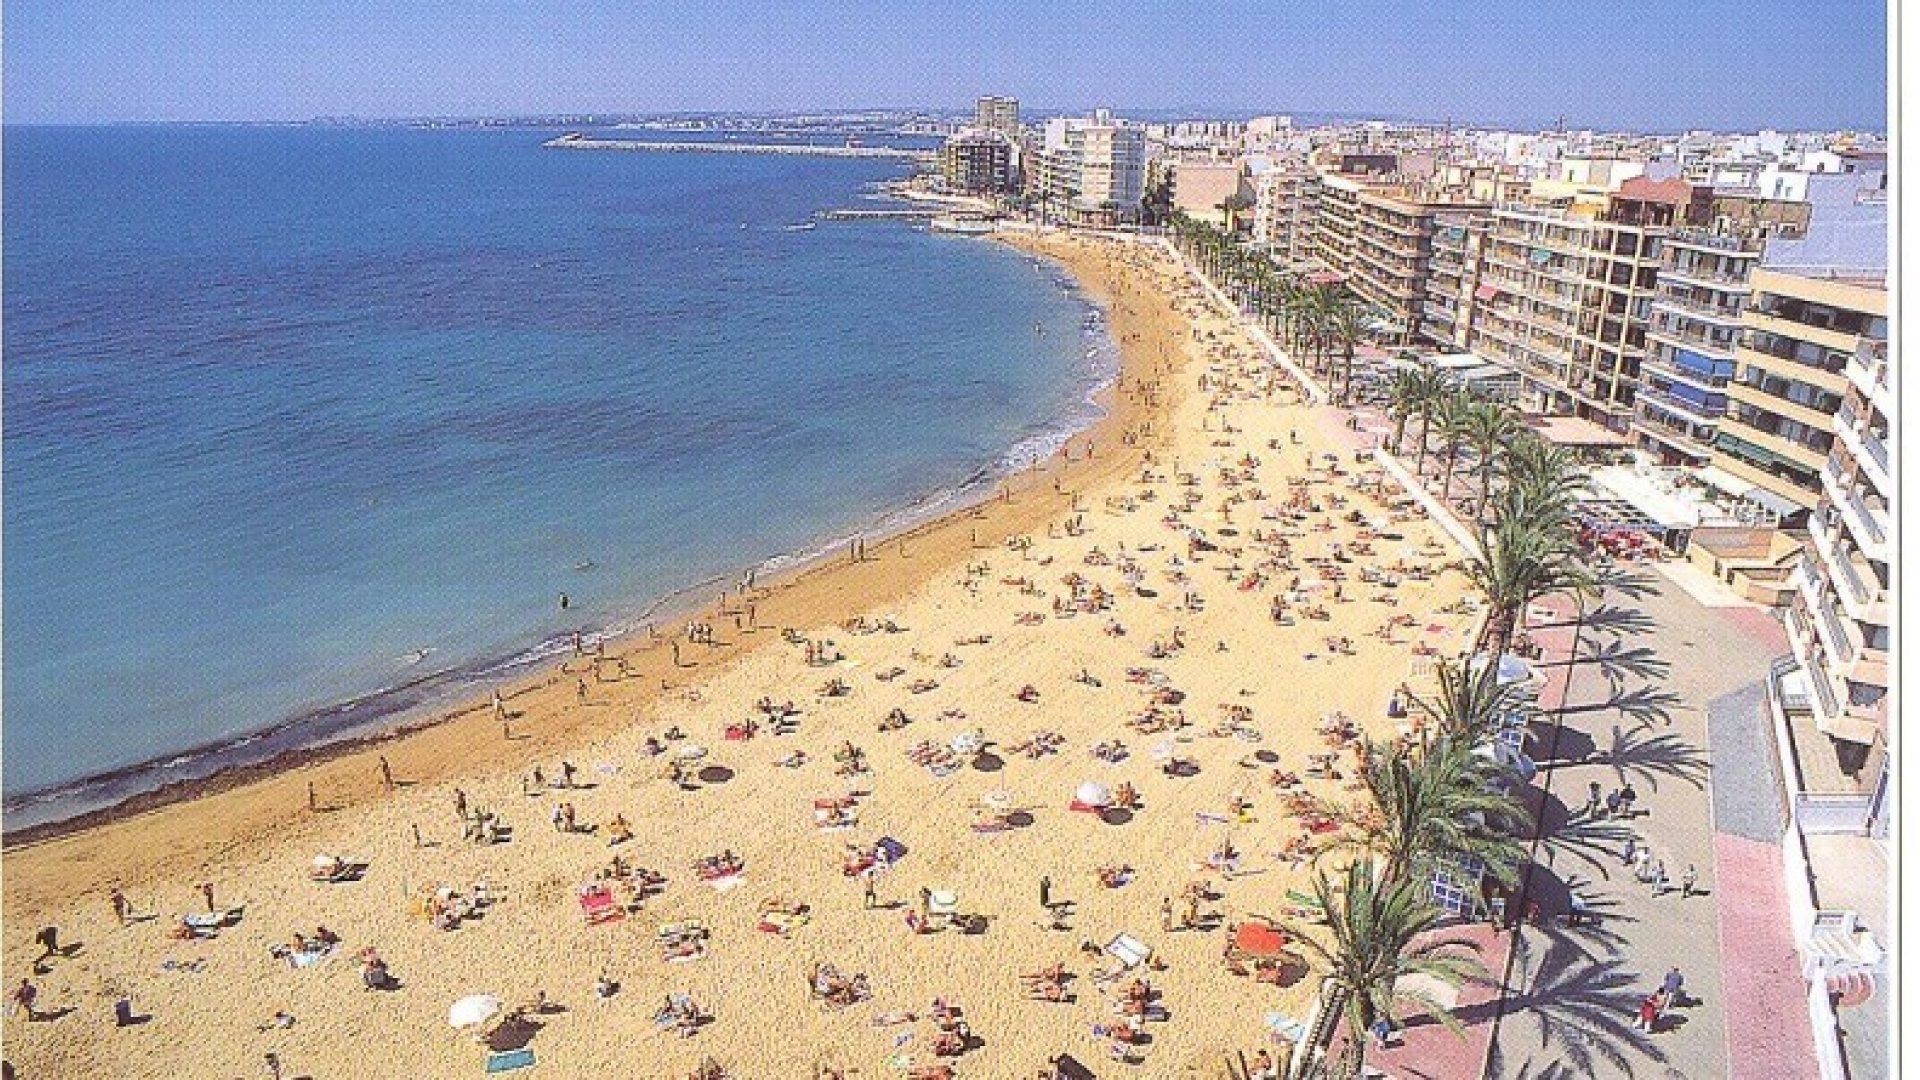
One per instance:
[(1701, 292), (1095, 167), (978, 162), (1839, 621), (1453, 276), (1564, 296), (1001, 114)]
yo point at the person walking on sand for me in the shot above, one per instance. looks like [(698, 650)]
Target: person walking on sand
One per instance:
[(870, 897), (23, 998), (206, 892), (122, 907), (1046, 892), (459, 804), (386, 773), (580, 691), (1166, 914)]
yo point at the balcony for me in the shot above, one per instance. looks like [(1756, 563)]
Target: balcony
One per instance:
[(1694, 411), (1663, 327), (1706, 240), (1724, 314), (1853, 580), (1762, 317), (1660, 363), (1867, 448), (1867, 369), (1866, 517), (1713, 279)]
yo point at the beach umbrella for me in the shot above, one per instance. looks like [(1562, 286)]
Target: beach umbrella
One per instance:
[(1093, 793), (473, 1010)]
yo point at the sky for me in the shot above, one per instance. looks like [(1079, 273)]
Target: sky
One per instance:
[(1642, 64)]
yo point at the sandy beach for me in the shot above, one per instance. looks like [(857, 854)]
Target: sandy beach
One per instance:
[(1209, 578)]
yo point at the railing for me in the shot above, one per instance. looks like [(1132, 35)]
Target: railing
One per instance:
[(1706, 413), (1656, 362), (1833, 815), (1719, 278), (1671, 298), (1865, 516), (1848, 418), (1723, 344), (1702, 238)]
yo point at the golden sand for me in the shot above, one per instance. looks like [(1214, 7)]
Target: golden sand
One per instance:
[(944, 587)]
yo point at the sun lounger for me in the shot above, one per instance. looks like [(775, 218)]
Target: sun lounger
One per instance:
[(598, 906), (1129, 950), (500, 1061)]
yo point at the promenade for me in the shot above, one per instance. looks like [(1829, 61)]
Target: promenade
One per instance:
[(1658, 684)]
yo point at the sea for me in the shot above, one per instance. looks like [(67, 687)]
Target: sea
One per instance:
[(308, 430)]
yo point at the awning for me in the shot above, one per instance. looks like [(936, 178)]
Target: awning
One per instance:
[(1847, 728), (1486, 292)]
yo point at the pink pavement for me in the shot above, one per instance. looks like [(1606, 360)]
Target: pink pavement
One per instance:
[(1426, 1050), (1769, 1035)]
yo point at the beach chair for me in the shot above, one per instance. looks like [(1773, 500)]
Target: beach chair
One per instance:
[(943, 909), (499, 1061), (598, 906), (1130, 951)]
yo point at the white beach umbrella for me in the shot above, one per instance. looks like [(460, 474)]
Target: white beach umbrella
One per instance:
[(1093, 793), (473, 1010)]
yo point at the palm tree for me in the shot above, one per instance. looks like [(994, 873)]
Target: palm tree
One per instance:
[(1521, 559), (1348, 322), (1431, 391), (1452, 414), (1403, 399), (1380, 933), (1488, 427), (1470, 702), (1439, 802), (1546, 477)]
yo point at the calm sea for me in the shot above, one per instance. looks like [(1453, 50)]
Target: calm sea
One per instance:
[(305, 427)]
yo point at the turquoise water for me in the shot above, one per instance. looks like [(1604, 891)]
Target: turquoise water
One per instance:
[(304, 426)]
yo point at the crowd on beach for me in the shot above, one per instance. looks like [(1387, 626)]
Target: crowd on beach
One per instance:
[(1138, 710)]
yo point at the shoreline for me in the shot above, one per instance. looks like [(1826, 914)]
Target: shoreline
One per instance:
[(331, 756), (954, 633), (325, 733)]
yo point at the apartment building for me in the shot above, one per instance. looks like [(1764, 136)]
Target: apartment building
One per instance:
[(1815, 299), (1453, 276), (1701, 294), (1563, 300), (1839, 620), (1097, 167), (1001, 114), (978, 161), (1391, 255)]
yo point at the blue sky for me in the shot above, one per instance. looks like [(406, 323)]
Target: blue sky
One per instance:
[(1626, 63)]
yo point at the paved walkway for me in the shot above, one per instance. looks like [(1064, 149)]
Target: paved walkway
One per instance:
[(1672, 700)]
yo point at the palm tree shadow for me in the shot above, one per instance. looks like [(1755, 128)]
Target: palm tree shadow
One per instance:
[(1611, 619), (1617, 662), (1649, 758), (1643, 705), (1632, 584), (1594, 842), (1582, 1009)]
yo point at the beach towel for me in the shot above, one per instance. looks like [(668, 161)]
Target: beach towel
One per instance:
[(1129, 950), (309, 959), (500, 1061), (1257, 940)]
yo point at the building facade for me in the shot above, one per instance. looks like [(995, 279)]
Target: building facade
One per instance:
[(1001, 114), (1839, 621), (978, 162), (1798, 335), (1694, 329)]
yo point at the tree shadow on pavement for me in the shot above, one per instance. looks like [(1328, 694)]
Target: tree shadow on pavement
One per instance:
[(1639, 755), (1579, 1007), (1644, 705), (1610, 619)]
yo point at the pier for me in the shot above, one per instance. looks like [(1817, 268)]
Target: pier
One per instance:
[(577, 141)]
